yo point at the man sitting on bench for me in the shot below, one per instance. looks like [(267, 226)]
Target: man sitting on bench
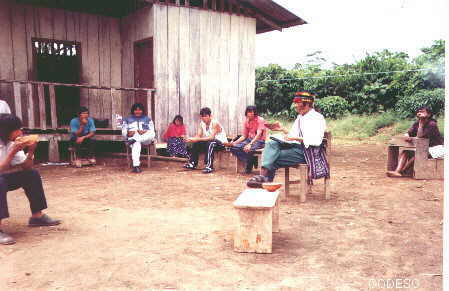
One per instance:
[(82, 129), (424, 127), (210, 137), (138, 129), (253, 138), (306, 133)]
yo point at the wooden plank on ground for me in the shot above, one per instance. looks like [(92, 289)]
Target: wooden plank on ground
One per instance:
[(54, 118), (42, 113)]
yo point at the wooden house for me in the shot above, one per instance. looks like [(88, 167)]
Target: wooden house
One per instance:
[(175, 56)]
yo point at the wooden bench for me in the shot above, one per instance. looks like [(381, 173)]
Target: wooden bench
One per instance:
[(424, 167), (240, 166), (150, 151), (258, 218)]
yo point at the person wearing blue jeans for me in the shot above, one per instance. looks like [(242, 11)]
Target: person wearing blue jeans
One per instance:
[(252, 139)]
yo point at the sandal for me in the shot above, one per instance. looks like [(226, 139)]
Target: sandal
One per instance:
[(256, 181)]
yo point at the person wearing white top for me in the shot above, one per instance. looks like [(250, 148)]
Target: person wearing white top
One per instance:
[(307, 129), (16, 171), (4, 107), (210, 138)]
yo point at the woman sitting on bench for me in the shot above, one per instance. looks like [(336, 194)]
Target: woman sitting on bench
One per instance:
[(175, 138), (424, 127)]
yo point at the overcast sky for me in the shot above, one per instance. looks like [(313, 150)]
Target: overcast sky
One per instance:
[(345, 30)]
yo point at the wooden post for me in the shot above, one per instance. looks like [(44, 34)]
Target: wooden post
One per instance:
[(54, 116), (392, 157), (205, 4), (42, 114), (116, 105), (222, 6), (150, 107), (187, 3), (53, 149), (287, 182), (30, 94), (304, 186), (17, 99), (214, 5)]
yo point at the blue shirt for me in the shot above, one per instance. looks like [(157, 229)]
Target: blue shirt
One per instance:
[(75, 126)]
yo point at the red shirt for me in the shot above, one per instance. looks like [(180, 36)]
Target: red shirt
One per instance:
[(175, 131), (250, 128)]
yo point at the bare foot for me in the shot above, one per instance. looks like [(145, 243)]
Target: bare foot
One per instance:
[(393, 174)]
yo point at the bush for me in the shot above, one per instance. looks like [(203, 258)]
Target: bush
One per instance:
[(333, 106), (434, 99)]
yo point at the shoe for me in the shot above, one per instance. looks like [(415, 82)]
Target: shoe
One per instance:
[(6, 239), (130, 142), (44, 220), (256, 181), (190, 166), (136, 170), (249, 167), (207, 170), (92, 161)]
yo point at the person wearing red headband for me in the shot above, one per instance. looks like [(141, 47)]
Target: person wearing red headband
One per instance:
[(301, 145)]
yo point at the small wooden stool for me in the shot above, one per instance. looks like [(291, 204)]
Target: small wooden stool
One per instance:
[(240, 166), (305, 188), (258, 218), (151, 150)]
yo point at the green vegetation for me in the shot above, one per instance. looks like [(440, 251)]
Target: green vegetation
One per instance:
[(382, 82)]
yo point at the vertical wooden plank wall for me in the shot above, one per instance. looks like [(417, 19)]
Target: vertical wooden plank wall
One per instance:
[(216, 69), (100, 39)]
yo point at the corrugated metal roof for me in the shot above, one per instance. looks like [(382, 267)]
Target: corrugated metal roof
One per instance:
[(274, 13)]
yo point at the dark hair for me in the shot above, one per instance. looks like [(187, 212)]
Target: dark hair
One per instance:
[(426, 109), (178, 117), (205, 111), (137, 105), (251, 108), (8, 124), (82, 109)]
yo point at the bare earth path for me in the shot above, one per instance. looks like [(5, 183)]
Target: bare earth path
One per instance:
[(172, 229)]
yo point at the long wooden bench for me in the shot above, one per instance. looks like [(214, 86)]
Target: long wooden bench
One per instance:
[(258, 218)]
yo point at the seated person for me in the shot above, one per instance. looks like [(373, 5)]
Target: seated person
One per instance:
[(175, 136), (4, 107), (253, 138), (16, 171), (424, 127), (210, 137), (82, 129), (138, 129), (306, 133)]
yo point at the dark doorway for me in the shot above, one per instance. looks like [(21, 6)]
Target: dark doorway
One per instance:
[(59, 62), (143, 69)]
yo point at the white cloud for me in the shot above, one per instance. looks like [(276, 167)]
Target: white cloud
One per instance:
[(346, 30)]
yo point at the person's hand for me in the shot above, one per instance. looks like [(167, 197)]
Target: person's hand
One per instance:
[(17, 147), (247, 148), (80, 139), (83, 121), (191, 139), (276, 126), (32, 147), (131, 133), (408, 139), (288, 138)]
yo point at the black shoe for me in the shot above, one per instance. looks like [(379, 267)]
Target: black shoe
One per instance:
[(190, 166), (44, 220), (6, 239), (130, 142), (136, 170), (207, 170)]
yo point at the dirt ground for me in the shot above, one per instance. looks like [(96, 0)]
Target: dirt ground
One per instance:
[(168, 228)]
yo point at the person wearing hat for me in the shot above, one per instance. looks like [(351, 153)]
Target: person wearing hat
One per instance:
[(424, 127), (307, 131)]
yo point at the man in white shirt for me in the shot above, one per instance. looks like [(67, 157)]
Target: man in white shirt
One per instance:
[(4, 107), (307, 130), (16, 172)]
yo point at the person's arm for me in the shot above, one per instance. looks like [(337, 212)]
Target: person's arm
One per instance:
[(215, 131), (29, 161), (420, 132), (6, 162), (151, 132), (197, 137)]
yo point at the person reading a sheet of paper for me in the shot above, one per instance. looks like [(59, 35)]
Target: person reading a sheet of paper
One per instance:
[(301, 145)]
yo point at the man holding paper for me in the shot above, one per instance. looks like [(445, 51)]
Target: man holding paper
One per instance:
[(300, 145)]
